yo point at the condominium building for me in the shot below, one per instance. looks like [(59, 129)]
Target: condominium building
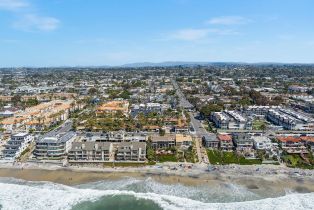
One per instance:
[(259, 111), (113, 136), (16, 145), (40, 116), (290, 120), (292, 144), (93, 152), (131, 151), (230, 120), (163, 142), (90, 152), (54, 147)]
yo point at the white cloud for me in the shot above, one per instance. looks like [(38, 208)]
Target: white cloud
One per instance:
[(218, 31), (190, 34), (13, 4), (228, 20), (28, 21), (32, 22)]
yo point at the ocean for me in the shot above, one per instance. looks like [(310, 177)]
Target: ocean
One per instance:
[(140, 194)]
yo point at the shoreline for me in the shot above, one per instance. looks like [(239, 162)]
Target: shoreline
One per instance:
[(172, 168), (275, 180)]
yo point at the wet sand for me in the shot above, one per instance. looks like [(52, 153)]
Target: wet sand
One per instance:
[(264, 185)]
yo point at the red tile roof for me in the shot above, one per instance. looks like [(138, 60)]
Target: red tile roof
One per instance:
[(307, 138), (224, 137), (288, 139)]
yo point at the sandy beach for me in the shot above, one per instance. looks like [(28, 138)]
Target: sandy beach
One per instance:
[(273, 180)]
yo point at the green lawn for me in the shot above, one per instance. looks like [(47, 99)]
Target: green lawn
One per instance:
[(295, 161), (214, 157), (258, 124), (223, 158), (190, 156)]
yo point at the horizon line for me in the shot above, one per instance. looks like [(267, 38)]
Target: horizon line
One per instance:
[(160, 64)]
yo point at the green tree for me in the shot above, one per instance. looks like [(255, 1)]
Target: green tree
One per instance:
[(162, 132), (208, 109), (125, 94)]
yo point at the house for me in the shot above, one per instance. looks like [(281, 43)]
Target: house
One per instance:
[(181, 129), (292, 144), (298, 89), (16, 145), (54, 147), (163, 142), (183, 140), (182, 126), (242, 141), (225, 142), (309, 142), (210, 141), (261, 142)]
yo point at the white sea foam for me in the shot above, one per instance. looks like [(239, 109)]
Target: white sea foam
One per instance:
[(219, 193), (38, 196)]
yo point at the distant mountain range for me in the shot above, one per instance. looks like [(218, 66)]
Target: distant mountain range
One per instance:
[(187, 64), (173, 63)]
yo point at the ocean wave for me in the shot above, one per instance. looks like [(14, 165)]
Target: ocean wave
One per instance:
[(226, 192), (44, 195)]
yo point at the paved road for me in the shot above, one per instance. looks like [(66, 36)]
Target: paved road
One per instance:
[(64, 128), (182, 100), (197, 125), (198, 150), (268, 132), (200, 131)]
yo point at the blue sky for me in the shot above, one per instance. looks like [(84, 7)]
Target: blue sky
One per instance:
[(114, 32)]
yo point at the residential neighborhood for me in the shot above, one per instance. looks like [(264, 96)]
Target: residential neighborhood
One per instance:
[(106, 117)]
